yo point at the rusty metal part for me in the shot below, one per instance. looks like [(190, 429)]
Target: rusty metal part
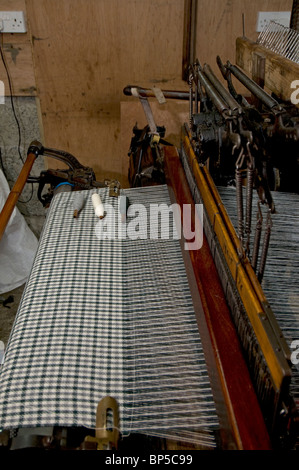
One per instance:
[(254, 88), (215, 96), (265, 246), (63, 156), (233, 104), (79, 176)]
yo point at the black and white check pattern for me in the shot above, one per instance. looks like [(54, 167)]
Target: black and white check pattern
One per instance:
[(106, 317)]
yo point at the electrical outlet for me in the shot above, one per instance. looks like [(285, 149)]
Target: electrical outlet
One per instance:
[(12, 22), (264, 17)]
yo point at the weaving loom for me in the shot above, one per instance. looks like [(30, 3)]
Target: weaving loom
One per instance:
[(100, 317), (194, 346), (282, 265), (123, 317), (232, 139)]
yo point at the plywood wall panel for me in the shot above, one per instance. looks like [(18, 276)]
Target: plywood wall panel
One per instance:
[(86, 52), (93, 139)]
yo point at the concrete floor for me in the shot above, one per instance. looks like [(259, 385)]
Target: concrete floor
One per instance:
[(8, 311)]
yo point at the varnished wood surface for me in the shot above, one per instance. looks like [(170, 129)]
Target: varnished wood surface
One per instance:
[(15, 193)]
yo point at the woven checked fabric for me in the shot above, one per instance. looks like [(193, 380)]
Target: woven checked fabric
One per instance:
[(107, 317)]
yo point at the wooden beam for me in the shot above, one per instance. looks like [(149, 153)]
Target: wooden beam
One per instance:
[(15, 193), (189, 39), (279, 73)]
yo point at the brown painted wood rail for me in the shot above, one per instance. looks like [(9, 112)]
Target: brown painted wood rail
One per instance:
[(18, 187), (246, 423)]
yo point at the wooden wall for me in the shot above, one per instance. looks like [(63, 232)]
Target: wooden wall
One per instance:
[(78, 55), (85, 53)]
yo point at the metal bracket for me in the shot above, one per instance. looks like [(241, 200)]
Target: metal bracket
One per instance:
[(107, 426)]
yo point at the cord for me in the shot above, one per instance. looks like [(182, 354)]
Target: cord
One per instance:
[(11, 97), (13, 110)]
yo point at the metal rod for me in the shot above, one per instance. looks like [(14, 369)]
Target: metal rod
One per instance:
[(265, 247), (281, 40), (191, 78), (239, 190), (233, 104), (253, 87), (217, 99), (257, 238), (148, 93), (249, 193)]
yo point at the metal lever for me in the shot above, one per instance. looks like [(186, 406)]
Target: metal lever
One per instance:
[(155, 136)]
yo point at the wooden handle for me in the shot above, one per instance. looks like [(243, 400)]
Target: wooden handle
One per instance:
[(15, 193)]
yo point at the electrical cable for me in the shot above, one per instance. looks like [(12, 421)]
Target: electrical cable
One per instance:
[(11, 97), (14, 113)]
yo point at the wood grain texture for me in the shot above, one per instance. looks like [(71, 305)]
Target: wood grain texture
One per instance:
[(279, 72), (15, 193), (85, 53)]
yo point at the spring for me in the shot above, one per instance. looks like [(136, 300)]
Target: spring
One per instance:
[(239, 202), (265, 247), (238, 176), (257, 238), (249, 205), (190, 99)]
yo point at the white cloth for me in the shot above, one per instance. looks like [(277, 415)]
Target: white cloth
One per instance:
[(17, 246)]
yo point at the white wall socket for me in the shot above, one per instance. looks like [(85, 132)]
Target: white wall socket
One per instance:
[(264, 17), (12, 22)]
